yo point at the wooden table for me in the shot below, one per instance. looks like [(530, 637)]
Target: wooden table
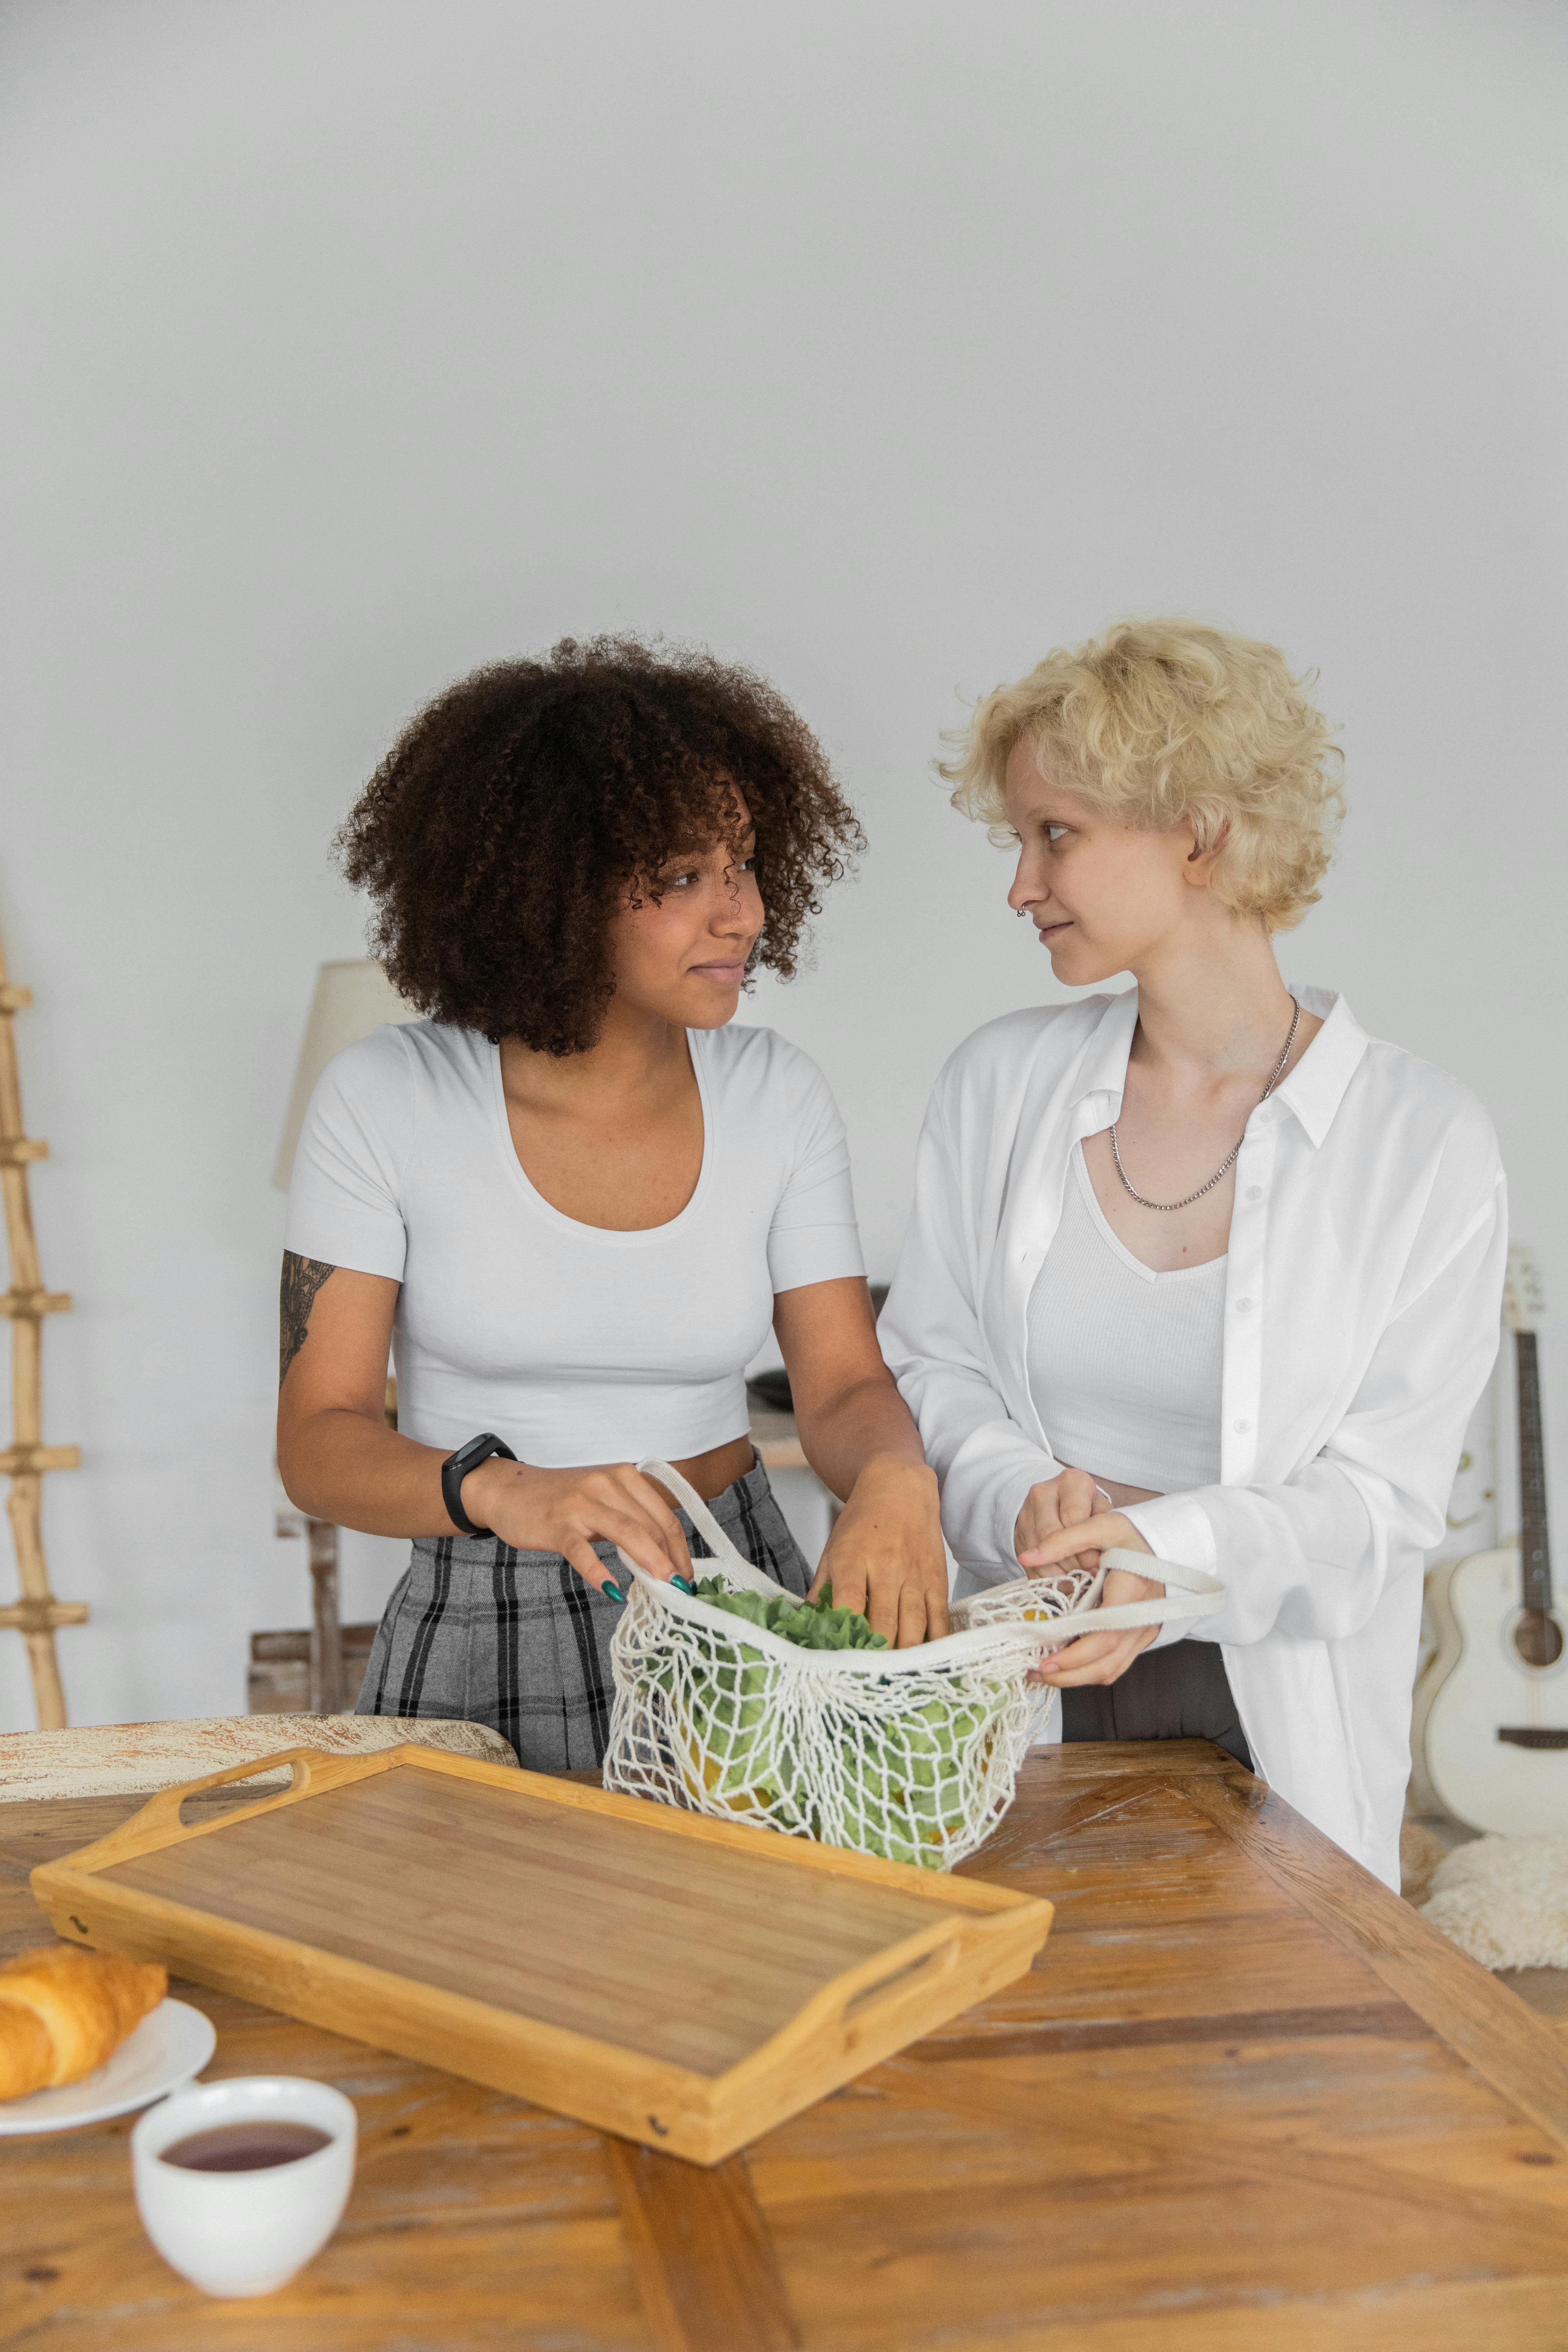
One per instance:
[(1246, 2102)]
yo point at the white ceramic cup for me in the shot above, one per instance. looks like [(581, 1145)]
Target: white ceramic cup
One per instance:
[(235, 2234)]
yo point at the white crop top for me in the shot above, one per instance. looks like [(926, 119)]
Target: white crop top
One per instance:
[(1124, 1363), (574, 1344)]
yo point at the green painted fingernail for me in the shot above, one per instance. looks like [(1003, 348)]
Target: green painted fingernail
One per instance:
[(684, 1585), (613, 1589)]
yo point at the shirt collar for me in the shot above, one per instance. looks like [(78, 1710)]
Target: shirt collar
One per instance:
[(1313, 1091), (1102, 1067), (1316, 1087)]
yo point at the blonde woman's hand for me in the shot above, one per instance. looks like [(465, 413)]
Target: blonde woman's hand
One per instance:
[(1096, 1657), (1066, 1501), (885, 1556)]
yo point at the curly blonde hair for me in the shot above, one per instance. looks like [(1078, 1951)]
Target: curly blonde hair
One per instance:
[(1157, 722)]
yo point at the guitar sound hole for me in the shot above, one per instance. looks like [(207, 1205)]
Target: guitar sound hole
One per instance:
[(1538, 1638)]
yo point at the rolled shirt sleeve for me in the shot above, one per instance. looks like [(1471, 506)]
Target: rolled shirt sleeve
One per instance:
[(985, 1463)]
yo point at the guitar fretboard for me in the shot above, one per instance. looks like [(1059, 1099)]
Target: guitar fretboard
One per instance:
[(1535, 1553)]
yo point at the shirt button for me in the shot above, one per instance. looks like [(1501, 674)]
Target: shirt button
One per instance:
[(1242, 1304), (1241, 1427), (1255, 1192)]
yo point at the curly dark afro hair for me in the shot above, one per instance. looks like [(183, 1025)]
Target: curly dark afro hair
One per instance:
[(512, 815)]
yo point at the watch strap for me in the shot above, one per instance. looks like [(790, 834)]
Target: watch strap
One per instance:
[(455, 1468)]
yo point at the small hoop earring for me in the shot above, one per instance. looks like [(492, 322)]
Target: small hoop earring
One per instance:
[(1020, 912)]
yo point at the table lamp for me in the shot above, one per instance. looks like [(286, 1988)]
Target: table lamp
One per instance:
[(351, 999)]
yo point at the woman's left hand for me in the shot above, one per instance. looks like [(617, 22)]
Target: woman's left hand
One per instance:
[(885, 1556), (1095, 1657)]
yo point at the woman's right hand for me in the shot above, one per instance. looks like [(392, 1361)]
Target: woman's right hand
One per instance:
[(1065, 1501), (569, 1511)]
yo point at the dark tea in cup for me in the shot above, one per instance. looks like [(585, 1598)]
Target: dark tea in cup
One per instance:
[(254, 2146)]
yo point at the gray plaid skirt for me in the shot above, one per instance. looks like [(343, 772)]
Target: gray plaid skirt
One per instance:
[(517, 1640)]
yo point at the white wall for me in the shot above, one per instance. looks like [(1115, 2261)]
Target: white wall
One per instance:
[(354, 341)]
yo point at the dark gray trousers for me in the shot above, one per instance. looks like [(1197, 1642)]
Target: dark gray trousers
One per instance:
[(1179, 1693)]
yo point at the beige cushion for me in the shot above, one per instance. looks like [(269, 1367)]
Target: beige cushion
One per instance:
[(1504, 1900), (116, 1759)]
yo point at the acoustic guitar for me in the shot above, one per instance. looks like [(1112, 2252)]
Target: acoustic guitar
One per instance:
[(1490, 1721)]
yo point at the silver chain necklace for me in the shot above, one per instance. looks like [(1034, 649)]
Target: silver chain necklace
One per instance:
[(1225, 1166)]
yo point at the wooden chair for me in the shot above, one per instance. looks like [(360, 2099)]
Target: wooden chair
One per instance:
[(114, 1760)]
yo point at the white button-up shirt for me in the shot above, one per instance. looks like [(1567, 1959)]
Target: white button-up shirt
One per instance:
[(1367, 1245)]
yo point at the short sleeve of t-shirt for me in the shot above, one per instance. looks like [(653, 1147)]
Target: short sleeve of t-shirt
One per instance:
[(814, 1236), (345, 1198)]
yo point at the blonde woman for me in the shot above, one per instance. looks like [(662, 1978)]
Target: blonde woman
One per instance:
[(1198, 1269)]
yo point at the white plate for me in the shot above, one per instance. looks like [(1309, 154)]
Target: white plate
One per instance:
[(167, 2048)]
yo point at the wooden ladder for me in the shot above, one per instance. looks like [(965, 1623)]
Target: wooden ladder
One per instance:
[(38, 1613)]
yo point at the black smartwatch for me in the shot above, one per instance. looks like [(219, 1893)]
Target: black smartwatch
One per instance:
[(455, 1468)]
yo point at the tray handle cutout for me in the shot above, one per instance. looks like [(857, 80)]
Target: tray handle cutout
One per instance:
[(921, 1965), (164, 1811), (158, 1823), (855, 2005)]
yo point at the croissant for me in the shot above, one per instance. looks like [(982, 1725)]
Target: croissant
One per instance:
[(64, 2011)]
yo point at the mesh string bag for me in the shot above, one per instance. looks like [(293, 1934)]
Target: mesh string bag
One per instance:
[(909, 1754)]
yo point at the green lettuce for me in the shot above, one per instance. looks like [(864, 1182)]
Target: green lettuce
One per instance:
[(906, 1779), (809, 1625)]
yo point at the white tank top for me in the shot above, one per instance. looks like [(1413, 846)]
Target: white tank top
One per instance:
[(1125, 1363)]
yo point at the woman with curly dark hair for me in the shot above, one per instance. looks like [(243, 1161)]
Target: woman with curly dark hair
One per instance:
[(573, 1196)]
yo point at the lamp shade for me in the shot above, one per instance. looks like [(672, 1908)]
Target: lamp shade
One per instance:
[(351, 999)]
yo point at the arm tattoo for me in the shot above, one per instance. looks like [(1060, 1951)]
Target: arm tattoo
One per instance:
[(302, 1277)]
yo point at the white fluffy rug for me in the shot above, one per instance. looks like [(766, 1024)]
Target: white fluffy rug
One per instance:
[(1504, 1900)]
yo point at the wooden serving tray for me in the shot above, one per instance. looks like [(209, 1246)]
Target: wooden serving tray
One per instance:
[(679, 1980)]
